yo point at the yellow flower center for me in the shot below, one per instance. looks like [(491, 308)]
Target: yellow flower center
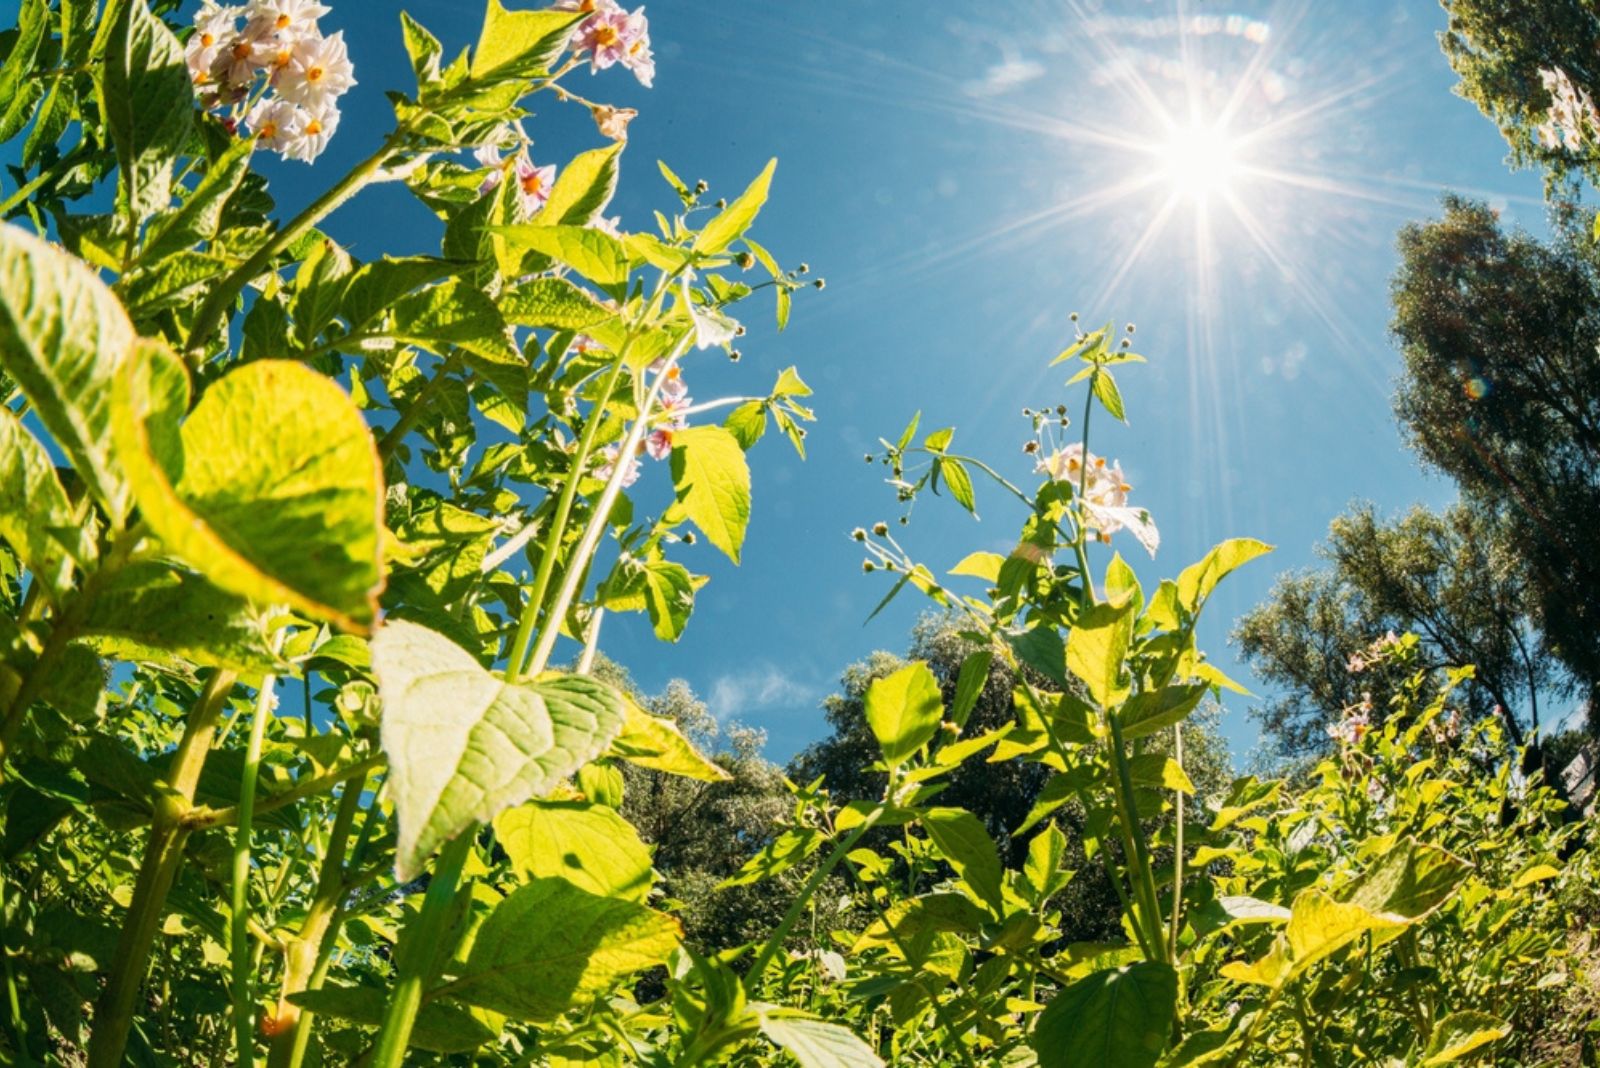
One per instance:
[(269, 130), (532, 183), (207, 40), (282, 58), (283, 22), (606, 36), (637, 47), (313, 128), (241, 50)]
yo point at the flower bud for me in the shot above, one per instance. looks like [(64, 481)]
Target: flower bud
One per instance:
[(880, 528), (1073, 317), (745, 260), (734, 355), (722, 202), (804, 268), (689, 537), (868, 567), (821, 283), (859, 534), (701, 186), (867, 457)]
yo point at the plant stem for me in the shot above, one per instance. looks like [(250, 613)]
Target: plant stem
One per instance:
[(239, 947), (602, 511), (113, 1017), (201, 818), (304, 954), (416, 409), (212, 309), (1133, 841), (417, 950), (775, 940), (43, 178), (533, 607), (1177, 849)]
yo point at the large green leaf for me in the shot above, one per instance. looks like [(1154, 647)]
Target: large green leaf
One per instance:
[(34, 511), (272, 488), (463, 744), (597, 256), (1319, 926), (148, 104), (1410, 880), (455, 313), (815, 1043), (150, 611), (549, 944), (904, 710), (1117, 1018), (520, 44), (1096, 648), (1148, 712), (589, 845), (713, 484), (552, 304), (201, 213), (731, 223), (584, 187), (656, 743), (1462, 1033), (63, 336), (1196, 581), (669, 598), (960, 838), (439, 1028)]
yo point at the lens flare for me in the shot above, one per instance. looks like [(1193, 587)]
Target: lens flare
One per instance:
[(1199, 161)]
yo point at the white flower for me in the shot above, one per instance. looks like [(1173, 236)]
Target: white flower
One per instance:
[(290, 18), (711, 327), (277, 124), (1105, 494), (214, 24), (630, 467), (318, 125), (319, 70), (238, 60)]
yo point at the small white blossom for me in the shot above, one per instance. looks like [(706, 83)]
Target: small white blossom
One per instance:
[(319, 70), (318, 125), (277, 124), (290, 18)]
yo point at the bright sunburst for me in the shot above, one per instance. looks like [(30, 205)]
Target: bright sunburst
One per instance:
[(1199, 160)]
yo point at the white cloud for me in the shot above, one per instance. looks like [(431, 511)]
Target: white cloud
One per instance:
[(1005, 76), (739, 695)]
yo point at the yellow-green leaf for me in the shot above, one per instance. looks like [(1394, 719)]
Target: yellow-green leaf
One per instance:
[(903, 710), (588, 845), (1462, 1033), (713, 485), (656, 743), (736, 218)]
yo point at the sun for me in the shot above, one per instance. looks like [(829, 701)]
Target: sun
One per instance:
[(1199, 161)]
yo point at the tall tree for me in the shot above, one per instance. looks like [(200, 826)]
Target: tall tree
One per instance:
[(1501, 391), (1453, 578)]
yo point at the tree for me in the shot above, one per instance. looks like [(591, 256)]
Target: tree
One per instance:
[(1501, 391), (1453, 578)]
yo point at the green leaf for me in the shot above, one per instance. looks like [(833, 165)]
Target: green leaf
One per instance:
[(374, 288), (712, 481), (583, 189), (549, 945), (424, 50), (599, 257), (1042, 868), (669, 596), (520, 44), (463, 744), (1096, 648), (1117, 1018), (1151, 711), (970, 681), (747, 423), (150, 611), (656, 743), (776, 857), (63, 338), (904, 710), (148, 104), (1196, 581), (36, 517), (440, 1027), (960, 838), (814, 1043), (18, 89), (1409, 881), (588, 845), (960, 483), (1319, 926), (1160, 771), (552, 304), (735, 219), (272, 488), (201, 212), (455, 313), (1109, 396), (1462, 1033), (983, 565)]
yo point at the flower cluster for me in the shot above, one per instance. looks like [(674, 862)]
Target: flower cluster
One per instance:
[(277, 73), (611, 35), (1105, 494), (533, 181), (1572, 113), (1354, 724), (1375, 653), (672, 415)]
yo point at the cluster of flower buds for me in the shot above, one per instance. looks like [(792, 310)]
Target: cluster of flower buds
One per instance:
[(1572, 115), (1374, 654), (277, 74), (1105, 494), (611, 35)]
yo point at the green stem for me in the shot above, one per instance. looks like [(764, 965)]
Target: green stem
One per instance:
[(212, 309), (417, 952), (240, 946), (114, 1011), (39, 181), (1177, 849), (776, 939), (19, 1027), (416, 409), (304, 955), (201, 818), (1133, 842), (533, 607)]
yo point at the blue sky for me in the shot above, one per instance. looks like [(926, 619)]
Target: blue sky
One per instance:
[(964, 176)]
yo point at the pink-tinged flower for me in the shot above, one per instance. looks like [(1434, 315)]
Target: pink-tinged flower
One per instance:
[(613, 122), (584, 343), (588, 7), (1063, 465), (1105, 494), (659, 444), (605, 35), (638, 57), (276, 124), (237, 61), (630, 466), (673, 407), (318, 71), (213, 24), (533, 185), (488, 155), (674, 387), (317, 127), (289, 18)]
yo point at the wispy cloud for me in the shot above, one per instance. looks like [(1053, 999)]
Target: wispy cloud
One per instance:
[(1004, 76), (741, 694)]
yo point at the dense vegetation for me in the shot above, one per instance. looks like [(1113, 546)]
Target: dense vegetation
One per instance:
[(288, 541)]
